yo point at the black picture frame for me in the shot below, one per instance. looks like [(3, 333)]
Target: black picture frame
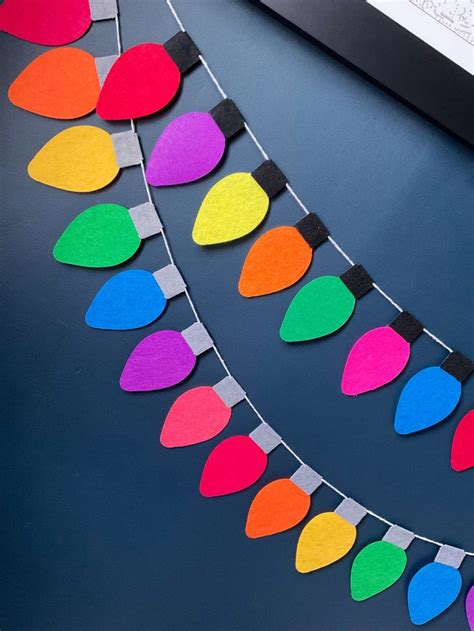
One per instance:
[(390, 55)]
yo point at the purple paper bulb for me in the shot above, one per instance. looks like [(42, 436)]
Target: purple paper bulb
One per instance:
[(189, 148), (160, 360), (470, 607)]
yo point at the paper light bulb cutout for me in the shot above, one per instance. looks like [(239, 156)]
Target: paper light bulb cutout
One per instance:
[(328, 536), (238, 462), (435, 586), (200, 413), (470, 608), (237, 204), (53, 22), (380, 355), (192, 145), (134, 298), (164, 359), (61, 83), (432, 394), (282, 504), (106, 234), (462, 449), (380, 564), (84, 159), (281, 256), (145, 78), (324, 305)]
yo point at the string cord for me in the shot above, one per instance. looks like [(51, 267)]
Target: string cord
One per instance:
[(193, 306)]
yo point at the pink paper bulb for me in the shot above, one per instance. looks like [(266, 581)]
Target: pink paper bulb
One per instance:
[(197, 415), (160, 360), (376, 358), (188, 149), (234, 464)]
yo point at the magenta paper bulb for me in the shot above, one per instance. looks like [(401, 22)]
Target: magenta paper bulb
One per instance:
[(376, 358), (159, 361), (188, 149)]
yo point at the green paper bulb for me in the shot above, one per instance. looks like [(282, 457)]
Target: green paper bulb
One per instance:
[(377, 567), (321, 307), (101, 236)]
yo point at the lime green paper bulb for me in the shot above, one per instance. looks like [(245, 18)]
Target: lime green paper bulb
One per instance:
[(321, 307), (101, 236), (377, 567)]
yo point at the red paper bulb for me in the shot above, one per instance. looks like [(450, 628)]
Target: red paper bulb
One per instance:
[(462, 450), (47, 22), (235, 464), (197, 415), (142, 81)]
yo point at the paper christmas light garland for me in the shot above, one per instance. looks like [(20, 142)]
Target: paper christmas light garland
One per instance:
[(84, 159), (192, 145), (166, 358), (61, 83), (432, 394), (106, 235), (53, 22), (145, 78), (462, 449), (135, 298), (237, 204), (201, 413), (380, 355), (324, 305), (281, 256), (380, 564), (238, 462)]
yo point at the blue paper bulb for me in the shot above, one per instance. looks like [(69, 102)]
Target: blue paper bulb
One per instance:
[(128, 300), (432, 590), (428, 398)]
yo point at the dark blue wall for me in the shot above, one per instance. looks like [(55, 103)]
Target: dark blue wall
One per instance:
[(101, 528)]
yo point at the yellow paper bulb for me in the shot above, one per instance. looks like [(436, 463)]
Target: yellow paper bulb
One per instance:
[(79, 159), (233, 207), (324, 540)]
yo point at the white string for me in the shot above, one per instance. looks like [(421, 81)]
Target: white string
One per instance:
[(193, 307)]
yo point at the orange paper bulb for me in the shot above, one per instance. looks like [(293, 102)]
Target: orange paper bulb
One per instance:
[(61, 83), (279, 506), (280, 257)]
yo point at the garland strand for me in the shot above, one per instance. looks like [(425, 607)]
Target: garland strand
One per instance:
[(332, 241)]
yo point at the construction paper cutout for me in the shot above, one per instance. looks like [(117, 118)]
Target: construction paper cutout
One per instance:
[(142, 81), (428, 398), (377, 358), (159, 361), (376, 567), (47, 22), (323, 541), (269, 177), (233, 465), (470, 608), (232, 208), (61, 83), (128, 300), (101, 236), (79, 159), (462, 450), (321, 307), (280, 505), (189, 148), (277, 260), (432, 590), (197, 415)]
